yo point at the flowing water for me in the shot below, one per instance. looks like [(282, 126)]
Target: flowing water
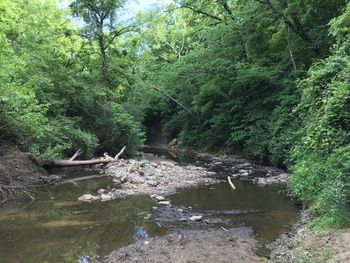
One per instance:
[(56, 227)]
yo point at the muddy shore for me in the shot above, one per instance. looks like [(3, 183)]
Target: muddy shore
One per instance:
[(204, 246)]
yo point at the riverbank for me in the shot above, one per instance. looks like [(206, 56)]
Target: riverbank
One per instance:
[(301, 244), (17, 167), (18, 172)]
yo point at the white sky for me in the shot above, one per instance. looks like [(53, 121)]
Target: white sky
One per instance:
[(132, 6)]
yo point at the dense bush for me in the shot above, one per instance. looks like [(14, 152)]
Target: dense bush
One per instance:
[(321, 175)]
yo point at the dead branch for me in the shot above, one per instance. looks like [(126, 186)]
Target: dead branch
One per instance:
[(10, 188), (230, 182), (77, 153), (173, 99), (120, 153)]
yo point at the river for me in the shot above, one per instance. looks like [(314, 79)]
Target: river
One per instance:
[(56, 227)]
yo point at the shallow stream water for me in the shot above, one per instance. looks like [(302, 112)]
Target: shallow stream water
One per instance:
[(56, 227)]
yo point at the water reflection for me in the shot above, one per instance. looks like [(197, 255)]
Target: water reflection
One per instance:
[(140, 233)]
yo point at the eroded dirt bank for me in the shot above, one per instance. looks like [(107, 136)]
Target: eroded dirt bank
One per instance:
[(17, 167)]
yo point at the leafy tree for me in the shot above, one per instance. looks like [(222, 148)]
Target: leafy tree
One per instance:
[(101, 24)]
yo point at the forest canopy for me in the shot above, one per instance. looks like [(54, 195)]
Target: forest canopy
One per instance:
[(262, 79)]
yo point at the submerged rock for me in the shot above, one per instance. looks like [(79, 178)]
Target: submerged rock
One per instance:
[(101, 191), (88, 198), (158, 197), (164, 202)]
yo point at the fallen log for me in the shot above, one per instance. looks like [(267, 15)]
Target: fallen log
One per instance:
[(72, 162)]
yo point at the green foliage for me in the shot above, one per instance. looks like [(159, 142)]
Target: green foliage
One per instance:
[(52, 101), (123, 129), (322, 153), (21, 116), (263, 79), (60, 136), (324, 184)]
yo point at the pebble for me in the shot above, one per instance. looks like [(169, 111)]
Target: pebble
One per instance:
[(106, 197), (196, 218)]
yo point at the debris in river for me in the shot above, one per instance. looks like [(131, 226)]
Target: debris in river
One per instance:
[(101, 191), (230, 182)]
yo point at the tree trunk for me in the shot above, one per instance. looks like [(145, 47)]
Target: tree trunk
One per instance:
[(104, 65)]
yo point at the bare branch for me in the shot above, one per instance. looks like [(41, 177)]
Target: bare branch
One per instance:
[(202, 12), (226, 7), (77, 153), (230, 182), (120, 153), (173, 99)]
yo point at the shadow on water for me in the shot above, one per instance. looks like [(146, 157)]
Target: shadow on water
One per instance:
[(66, 230), (58, 228)]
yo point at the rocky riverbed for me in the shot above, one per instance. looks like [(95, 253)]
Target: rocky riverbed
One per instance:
[(162, 177), (132, 177), (242, 169)]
